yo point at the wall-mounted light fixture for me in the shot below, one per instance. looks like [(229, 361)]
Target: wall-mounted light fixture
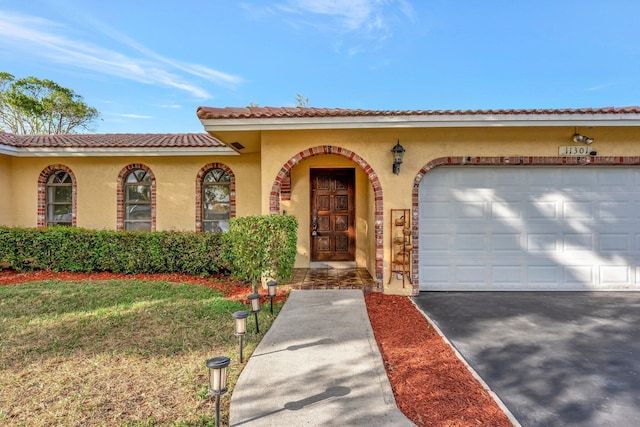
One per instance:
[(583, 139), (398, 153)]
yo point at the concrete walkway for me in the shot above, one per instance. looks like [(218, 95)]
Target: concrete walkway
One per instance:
[(318, 365)]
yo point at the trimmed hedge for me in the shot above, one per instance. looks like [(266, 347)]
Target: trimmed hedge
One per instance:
[(79, 250)]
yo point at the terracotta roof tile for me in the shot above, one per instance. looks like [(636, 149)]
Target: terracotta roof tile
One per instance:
[(198, 140), (299, 112)]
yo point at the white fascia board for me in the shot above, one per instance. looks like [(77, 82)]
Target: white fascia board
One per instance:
[(119, 152), (8, 150), (435, 121)]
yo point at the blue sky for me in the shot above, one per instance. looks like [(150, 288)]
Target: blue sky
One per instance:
[(147, 65)]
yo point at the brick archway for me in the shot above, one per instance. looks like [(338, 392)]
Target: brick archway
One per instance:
[(283, 177), (516, 161)]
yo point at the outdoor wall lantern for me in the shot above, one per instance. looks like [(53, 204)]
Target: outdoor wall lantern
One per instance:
[(581, 138), (255, 308), (240, 326), (218, 380), (398, 153), (272, 291)]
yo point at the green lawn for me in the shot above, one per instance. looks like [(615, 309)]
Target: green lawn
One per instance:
[(115, 352)]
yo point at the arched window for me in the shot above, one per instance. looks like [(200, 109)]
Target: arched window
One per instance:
[(216, 201), (136, 199), (56, 197), (59, 199), (215, 198)]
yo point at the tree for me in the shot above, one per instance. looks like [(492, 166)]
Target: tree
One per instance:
[(31, 106), (302, 101)]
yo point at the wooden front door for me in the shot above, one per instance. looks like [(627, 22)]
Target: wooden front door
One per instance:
[(333, 234)]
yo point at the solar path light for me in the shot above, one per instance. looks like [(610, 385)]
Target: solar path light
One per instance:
[(255, 308), (240, 326), (218, 380), (272, 291)]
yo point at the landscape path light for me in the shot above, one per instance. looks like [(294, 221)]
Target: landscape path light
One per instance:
[(255, 307), (272, 291), (240, 326), (218, 380)]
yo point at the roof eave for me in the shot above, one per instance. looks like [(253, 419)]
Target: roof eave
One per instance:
[(421, 121), (115, 152)]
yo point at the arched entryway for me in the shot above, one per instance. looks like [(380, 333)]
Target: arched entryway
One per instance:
[(282, 182)]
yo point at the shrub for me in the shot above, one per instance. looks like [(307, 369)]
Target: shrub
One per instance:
[(260, 245), (78, 250)]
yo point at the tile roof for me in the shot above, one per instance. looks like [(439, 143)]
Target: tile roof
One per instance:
[(213, 113), (196, 140)]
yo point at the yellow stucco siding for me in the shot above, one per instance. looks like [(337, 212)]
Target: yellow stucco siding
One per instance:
[(269, 150), (96, 179), (422, 146), (6, 191)]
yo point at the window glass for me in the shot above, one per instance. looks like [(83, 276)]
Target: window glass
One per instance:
[(137, 203), (59, 199), (216, 197)]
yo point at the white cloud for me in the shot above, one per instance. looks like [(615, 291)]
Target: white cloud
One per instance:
[(599, 87), (131, 116), (49, 40), (170, 106), (374, 18)]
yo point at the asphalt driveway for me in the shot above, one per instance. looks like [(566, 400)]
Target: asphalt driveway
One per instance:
[(554, 358)]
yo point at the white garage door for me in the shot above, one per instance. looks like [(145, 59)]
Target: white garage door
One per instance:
[(506, 228)]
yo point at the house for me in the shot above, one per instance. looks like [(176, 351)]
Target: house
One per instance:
[(482, 200)]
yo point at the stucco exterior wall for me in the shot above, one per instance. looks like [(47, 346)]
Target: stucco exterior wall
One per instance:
[(422, 146), (97, 184), (6, 192)]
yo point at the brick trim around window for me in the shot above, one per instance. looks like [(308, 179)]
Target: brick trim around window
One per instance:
[(42, 193), (120, 194), (232, 190)]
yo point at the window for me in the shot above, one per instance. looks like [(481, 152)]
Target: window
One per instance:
[(216, 200), (59, 196), (137, 200), (56, 196)]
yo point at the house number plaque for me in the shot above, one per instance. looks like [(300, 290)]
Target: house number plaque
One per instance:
[(574, 150)]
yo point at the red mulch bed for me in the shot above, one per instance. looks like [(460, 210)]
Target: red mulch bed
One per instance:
[(431, 385)]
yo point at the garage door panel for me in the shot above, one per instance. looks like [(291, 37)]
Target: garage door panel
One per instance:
[(579, 275), (578, 242), (615, 275), (577, 210), (435, 242), (439, 210), (543, 209), (615, 211), (506, 242), (507, 209), (470, 242), (610, 242), (528, 228)]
